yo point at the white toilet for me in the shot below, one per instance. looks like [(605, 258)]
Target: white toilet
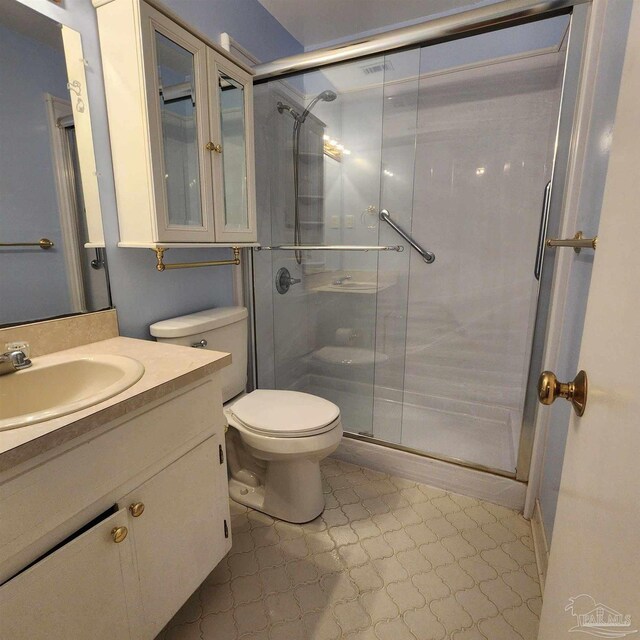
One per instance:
[(275, 439)]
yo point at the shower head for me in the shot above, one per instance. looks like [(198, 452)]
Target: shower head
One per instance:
[(328, 96), (325, 96)]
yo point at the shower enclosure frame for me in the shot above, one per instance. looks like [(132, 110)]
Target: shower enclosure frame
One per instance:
[(457, 26)]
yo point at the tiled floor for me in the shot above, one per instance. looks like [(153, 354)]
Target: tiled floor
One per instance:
[(389, 559)]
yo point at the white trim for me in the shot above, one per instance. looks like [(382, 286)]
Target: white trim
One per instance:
[(67, 205), (565, 259), (540, 545), (445, 475), (77, 79), (237, 50)]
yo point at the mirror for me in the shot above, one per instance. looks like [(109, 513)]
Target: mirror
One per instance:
[(52, 256)]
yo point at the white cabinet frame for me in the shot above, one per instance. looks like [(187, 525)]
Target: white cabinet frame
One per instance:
[(127, 40), (215, 64)]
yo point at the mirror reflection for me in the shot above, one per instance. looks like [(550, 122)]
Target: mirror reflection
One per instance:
[(179, 131), (49, 262), (234, 158)]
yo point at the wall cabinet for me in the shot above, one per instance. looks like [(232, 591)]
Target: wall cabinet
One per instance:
[(181, 130), (153, 524)]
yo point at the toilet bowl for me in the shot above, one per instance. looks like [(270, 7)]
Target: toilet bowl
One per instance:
[(275, 439), (288, 433)]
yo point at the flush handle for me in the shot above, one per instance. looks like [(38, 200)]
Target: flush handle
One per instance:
[(550, 388), (200, 345)]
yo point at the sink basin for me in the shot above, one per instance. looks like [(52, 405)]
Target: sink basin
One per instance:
[(355, 285), (52, 389)]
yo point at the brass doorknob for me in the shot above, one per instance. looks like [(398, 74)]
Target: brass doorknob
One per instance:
[(549, 388), (119, 534), (136, 509), (211, 146)]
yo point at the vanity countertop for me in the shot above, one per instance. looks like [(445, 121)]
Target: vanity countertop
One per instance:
[(168, 367)]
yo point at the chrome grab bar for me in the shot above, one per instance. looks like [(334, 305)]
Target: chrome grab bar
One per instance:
[(427, 256), (334, 247)]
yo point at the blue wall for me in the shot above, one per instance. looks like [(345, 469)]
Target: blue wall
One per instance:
[(141, 294)]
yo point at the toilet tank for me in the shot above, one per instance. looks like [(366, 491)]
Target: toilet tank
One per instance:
[(224, 329)]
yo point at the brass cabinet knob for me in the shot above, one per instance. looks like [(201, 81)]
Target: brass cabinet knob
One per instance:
[(136, 509), (119, 534), (211, 146), (549, 388)]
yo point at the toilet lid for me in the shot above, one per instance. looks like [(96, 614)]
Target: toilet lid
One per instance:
[(284, 413)]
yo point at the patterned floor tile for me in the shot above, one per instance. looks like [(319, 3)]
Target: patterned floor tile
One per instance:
[(389, 559)]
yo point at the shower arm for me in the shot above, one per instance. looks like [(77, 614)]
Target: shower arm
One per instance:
[(427, 256)]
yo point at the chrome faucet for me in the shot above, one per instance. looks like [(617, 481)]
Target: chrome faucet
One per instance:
[(13, 361), (342, 280)]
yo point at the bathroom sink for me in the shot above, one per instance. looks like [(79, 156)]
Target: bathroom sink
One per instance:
[(52, 389), (355, 285)]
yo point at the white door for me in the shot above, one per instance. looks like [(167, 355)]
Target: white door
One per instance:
[(593, 581)]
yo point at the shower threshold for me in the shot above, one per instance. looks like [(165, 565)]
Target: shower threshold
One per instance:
[(364, 437)]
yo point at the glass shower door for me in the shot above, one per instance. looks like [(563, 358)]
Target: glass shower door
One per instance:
[(323, 177), (456, 142), (482, 115)]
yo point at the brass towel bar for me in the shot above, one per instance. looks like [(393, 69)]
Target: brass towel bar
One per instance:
[(161, 266), (577, 242), (43, 243)]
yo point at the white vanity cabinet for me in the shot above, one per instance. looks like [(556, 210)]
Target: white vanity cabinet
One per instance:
[(181, 130), (111, 536), (179, 531), (83, 590)]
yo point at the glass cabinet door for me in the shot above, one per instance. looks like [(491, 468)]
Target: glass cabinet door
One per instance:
[(178, 114), (178, 101), (232, 118)]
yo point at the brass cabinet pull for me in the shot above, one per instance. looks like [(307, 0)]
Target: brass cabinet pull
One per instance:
[(549, 388), (211, 146), (136, 509), (577, 242), (119, 534)]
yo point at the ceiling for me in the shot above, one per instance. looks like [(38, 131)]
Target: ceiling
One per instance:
[(316, 22)]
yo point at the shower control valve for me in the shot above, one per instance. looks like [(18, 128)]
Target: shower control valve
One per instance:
[(284, 280)]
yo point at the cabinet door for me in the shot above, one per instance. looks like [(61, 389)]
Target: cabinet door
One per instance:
[(85, 589), (231, 107), (180, 535), (177, 99)]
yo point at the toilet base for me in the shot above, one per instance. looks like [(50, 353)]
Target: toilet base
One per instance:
[(292, 491)]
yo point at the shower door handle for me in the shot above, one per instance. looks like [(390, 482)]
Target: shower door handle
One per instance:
[(542, 234)]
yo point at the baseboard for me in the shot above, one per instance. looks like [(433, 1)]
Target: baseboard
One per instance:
[(540, 545), (437, 473)]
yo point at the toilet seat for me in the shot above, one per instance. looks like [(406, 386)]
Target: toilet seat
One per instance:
[(284, 414)]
